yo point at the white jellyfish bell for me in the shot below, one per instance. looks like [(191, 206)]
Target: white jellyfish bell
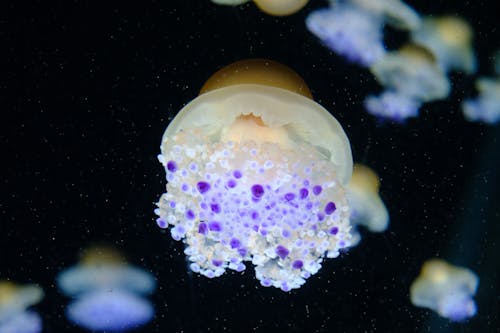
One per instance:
[(14, 301), (256, 172), (446, 289)]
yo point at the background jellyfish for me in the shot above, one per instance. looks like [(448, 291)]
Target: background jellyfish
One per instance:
[(486, 106), (450, 39), (14, 301), (107, 292), (446, 289), (271, 7), (354, 29), (411, 77), (367, 208), (256, 172)]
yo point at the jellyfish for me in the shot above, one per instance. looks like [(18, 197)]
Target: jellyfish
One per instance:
[(367, 208), (256, 172), (14, 301), (486, 107), (446, 289), (449, 38), (270, 7), (411, 77), (107, 292), (354, 29), (103, 268), (110, 310)]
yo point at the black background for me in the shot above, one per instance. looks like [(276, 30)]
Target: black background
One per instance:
[(88, 89)]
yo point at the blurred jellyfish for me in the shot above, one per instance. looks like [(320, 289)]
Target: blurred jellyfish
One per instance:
[(354, 29), (256, 172), (367, 208), (449, 38), (486, 107), (411, 77), (107, 292), (271, 7), (104, 268), (446, 289), (14, 300), (110, 310)]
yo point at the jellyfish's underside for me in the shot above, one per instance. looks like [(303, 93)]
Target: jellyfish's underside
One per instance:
[(256, 173), (446, 289), (110, 310), (353, 33)]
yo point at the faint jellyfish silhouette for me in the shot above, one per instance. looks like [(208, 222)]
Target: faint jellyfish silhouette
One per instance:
[(270, 7), (107, 291), (354, 29), (14, 301), (449, 38), (446, 289), (486, 106), (256, 172), (367, 208), (411, 77)]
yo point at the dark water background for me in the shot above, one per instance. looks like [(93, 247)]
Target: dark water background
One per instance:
[(89, 89)]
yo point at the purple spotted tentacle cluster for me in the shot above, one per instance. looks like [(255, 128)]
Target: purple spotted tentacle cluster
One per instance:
[(232, 203)]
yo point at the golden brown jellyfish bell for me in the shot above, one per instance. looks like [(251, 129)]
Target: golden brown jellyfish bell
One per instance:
[(265, 102), (280, 7), (365, 177)]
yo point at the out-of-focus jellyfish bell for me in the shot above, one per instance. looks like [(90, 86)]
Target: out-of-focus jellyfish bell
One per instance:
[(411, 77), (271, 7), (110, 310), (486, 107), (351, 32), (450, 39), (367, 208), (354, 28), (256, 172), (103, 268), (14, 300), (446, 289)]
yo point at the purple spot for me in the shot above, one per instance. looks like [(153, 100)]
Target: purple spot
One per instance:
[(297, 264), (306, 182), (184, 187), (203, 187), (171, 166), (309, 205), (334, 230), (161, 223), (202, 228), (214, 226), (172, 204), (289, 196), (341, 244), (237, 174), (242, 252), (282, 251), (330, 208), (303, 193), (255, 228), (257, 191), (317, 189), (189, 214), (231, 183), (235, 243), (216, 262), (263, 232), (321, 216), (285, 233), (255, 215), (266, 282), (215, 207)]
